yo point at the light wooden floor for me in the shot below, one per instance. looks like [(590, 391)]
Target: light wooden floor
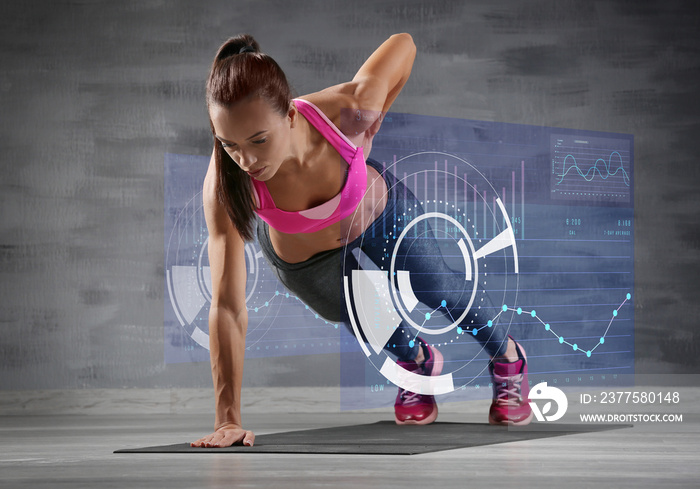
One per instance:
[(76, 452)]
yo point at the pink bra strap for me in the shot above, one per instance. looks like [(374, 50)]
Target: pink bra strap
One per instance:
[(330, 131)]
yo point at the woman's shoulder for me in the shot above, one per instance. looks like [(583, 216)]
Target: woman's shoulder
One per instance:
[(333, 100), (345, 107)]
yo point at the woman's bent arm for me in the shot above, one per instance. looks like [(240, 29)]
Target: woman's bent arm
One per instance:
[(380, 79), (228, 320), (372, 90)]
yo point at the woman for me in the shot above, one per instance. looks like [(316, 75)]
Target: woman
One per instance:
[(315, 194)]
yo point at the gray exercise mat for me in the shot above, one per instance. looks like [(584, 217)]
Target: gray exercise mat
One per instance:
[(388, 438)]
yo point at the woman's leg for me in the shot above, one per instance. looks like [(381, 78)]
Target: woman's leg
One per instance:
[(434, 283), (439, 287)]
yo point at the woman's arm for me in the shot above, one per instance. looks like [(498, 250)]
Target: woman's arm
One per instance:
[(380, 79), (357, 107), (376, 84), (228, 320)]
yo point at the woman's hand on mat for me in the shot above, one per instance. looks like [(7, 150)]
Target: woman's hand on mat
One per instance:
[(225, 437)]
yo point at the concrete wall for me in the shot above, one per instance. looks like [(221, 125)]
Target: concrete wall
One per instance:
[(93, 94)]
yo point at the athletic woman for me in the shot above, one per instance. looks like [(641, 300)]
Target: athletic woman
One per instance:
[(281, 167)]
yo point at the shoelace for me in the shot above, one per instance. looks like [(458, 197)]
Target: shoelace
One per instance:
[(409, 397), (508, 389)]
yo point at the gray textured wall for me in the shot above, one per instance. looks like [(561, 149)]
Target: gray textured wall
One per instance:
[(94, 93)]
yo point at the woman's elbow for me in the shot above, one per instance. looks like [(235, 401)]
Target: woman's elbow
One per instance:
[(404, 37)]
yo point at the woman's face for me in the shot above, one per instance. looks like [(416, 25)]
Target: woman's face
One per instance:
[(254, 135)]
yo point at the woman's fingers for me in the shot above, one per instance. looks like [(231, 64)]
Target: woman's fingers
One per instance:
[(249, 438), (232, 437), (200, 442), (215, 440), (207, 441)]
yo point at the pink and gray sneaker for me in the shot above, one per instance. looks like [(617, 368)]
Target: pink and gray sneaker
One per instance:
[(510, 405), (412, 408)]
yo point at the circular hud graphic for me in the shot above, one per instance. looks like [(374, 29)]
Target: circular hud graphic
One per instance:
[(457, 227)]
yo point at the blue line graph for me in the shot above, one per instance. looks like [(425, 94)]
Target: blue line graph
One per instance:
[(590, 169), (574, 346), (562, 340), (519, 311)]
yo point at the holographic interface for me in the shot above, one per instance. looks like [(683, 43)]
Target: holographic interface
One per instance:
[(537, 221)]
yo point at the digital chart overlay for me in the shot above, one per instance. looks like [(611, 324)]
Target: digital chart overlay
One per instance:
[(501, 202), (590, 169)]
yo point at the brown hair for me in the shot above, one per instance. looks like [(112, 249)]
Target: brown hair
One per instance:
[(241, 71)]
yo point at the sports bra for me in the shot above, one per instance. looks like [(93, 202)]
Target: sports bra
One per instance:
[(336, 209)]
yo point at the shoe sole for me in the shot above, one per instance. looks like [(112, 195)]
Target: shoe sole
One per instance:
[(438, 362), (514, 423), (430, 419), (524, 422)]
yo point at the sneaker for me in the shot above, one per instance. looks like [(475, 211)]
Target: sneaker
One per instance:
[(412, 408), (510, 405)]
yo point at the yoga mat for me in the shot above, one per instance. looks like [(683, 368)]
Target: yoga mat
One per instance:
[(388, 438)]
